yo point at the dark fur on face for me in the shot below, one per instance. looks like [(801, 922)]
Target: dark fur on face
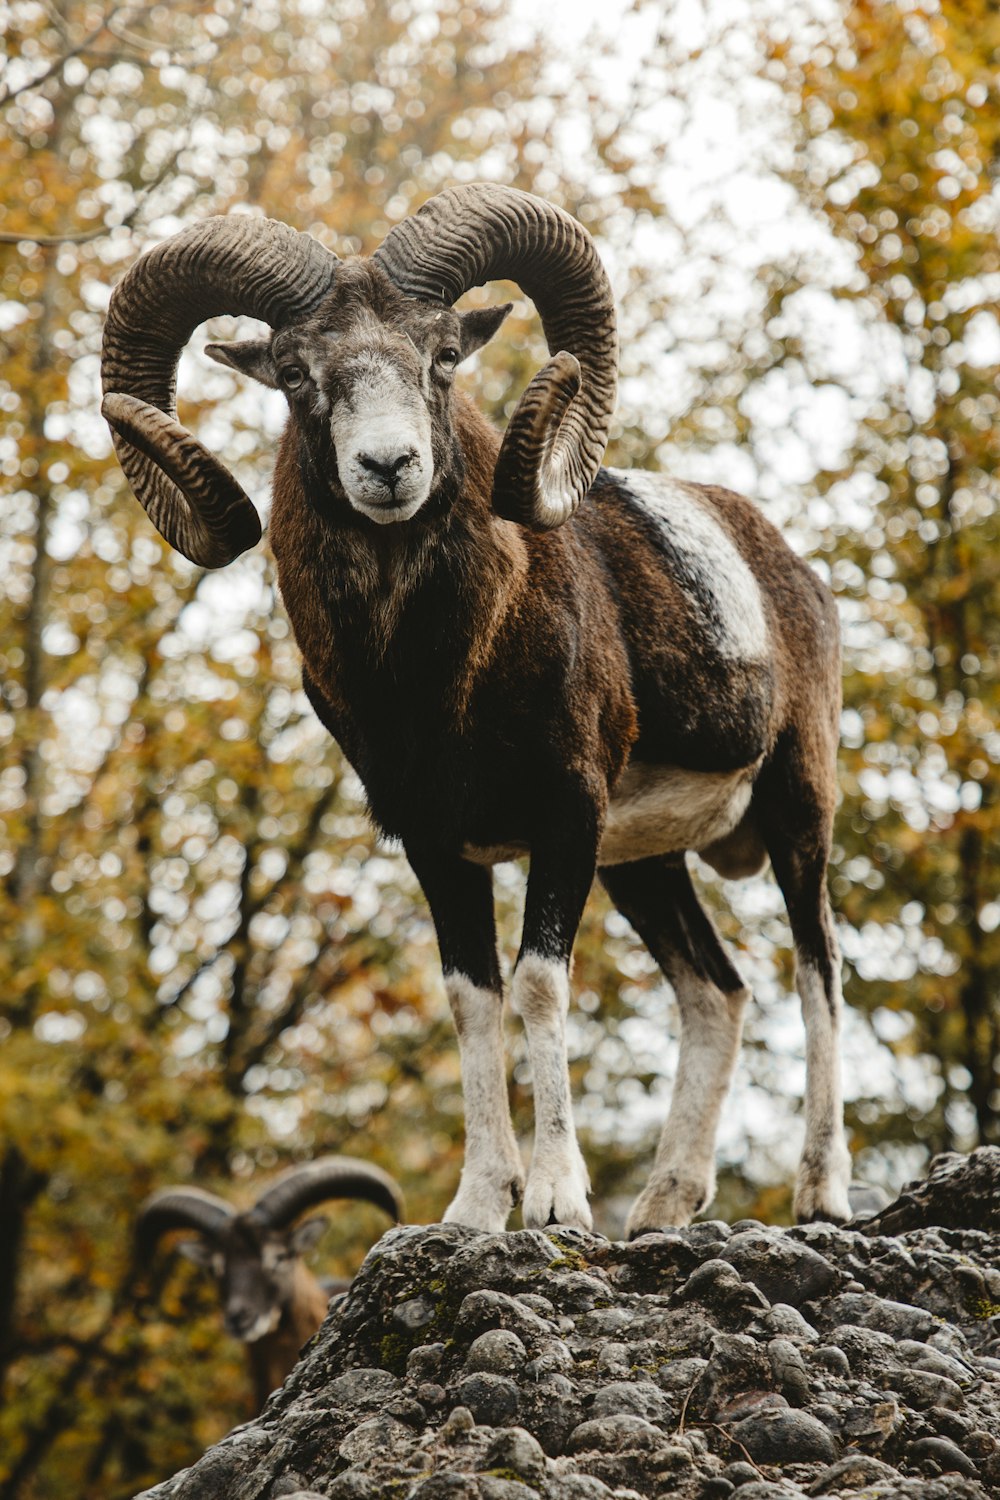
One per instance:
[(368, 379)]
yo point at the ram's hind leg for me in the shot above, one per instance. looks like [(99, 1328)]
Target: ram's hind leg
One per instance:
[(824, 1173), (659, 900), (797, 821)]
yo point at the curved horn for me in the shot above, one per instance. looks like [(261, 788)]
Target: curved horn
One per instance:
[(556, 438), (181, 1208), (328, 1177), (239, 265)]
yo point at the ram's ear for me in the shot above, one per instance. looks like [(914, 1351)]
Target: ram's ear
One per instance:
[(480, 324), (249, 357), (200, 1252), (309, 1233)]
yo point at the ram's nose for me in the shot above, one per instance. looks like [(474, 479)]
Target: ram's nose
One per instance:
[(240, 1319), (387, 470)]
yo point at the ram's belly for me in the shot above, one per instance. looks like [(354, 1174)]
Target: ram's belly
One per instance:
[(665, 810), (657, 810)]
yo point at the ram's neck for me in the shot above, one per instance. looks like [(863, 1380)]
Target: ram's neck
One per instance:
[(434, 591)]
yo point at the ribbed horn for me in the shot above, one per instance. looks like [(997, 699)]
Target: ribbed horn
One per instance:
[(327, 1177), (181, 1208), (480, 232), (238, 265)]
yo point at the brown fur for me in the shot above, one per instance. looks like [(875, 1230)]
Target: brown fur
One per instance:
[(362, 562)]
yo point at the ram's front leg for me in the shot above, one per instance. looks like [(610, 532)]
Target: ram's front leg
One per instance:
[(461, 901), (563, 860)]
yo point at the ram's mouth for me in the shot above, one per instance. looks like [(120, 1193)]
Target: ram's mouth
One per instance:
[(385, 512), (384, 505), (263, 1325)]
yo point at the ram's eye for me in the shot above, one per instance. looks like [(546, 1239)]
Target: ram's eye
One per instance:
[(448, 357), (292, 377)]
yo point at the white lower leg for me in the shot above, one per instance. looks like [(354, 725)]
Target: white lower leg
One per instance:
[(558, 1184), (683, 1178), (825, 1169), (492, 1176)]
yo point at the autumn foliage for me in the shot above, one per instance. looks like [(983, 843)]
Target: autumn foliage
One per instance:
[(209, 969)]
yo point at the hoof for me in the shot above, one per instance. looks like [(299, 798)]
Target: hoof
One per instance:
[(670, 1203), (482, 1203), (557, 1194)]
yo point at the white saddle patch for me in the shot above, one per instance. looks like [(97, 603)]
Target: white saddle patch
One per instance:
[(715, 566)]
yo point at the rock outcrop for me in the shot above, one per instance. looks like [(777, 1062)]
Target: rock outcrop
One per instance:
[(698, 1363), (962, 1192)]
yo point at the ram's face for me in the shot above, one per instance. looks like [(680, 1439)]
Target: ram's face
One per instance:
[(255, 1270), (372, 372), (256, 1286), (381, 387)]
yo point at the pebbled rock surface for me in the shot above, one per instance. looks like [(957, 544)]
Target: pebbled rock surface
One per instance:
[(698, 1363)]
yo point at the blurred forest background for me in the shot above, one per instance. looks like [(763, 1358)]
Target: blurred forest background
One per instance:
[(209, 970)]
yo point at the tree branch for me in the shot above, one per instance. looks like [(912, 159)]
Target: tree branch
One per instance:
[(60, 61), (315, 980)]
